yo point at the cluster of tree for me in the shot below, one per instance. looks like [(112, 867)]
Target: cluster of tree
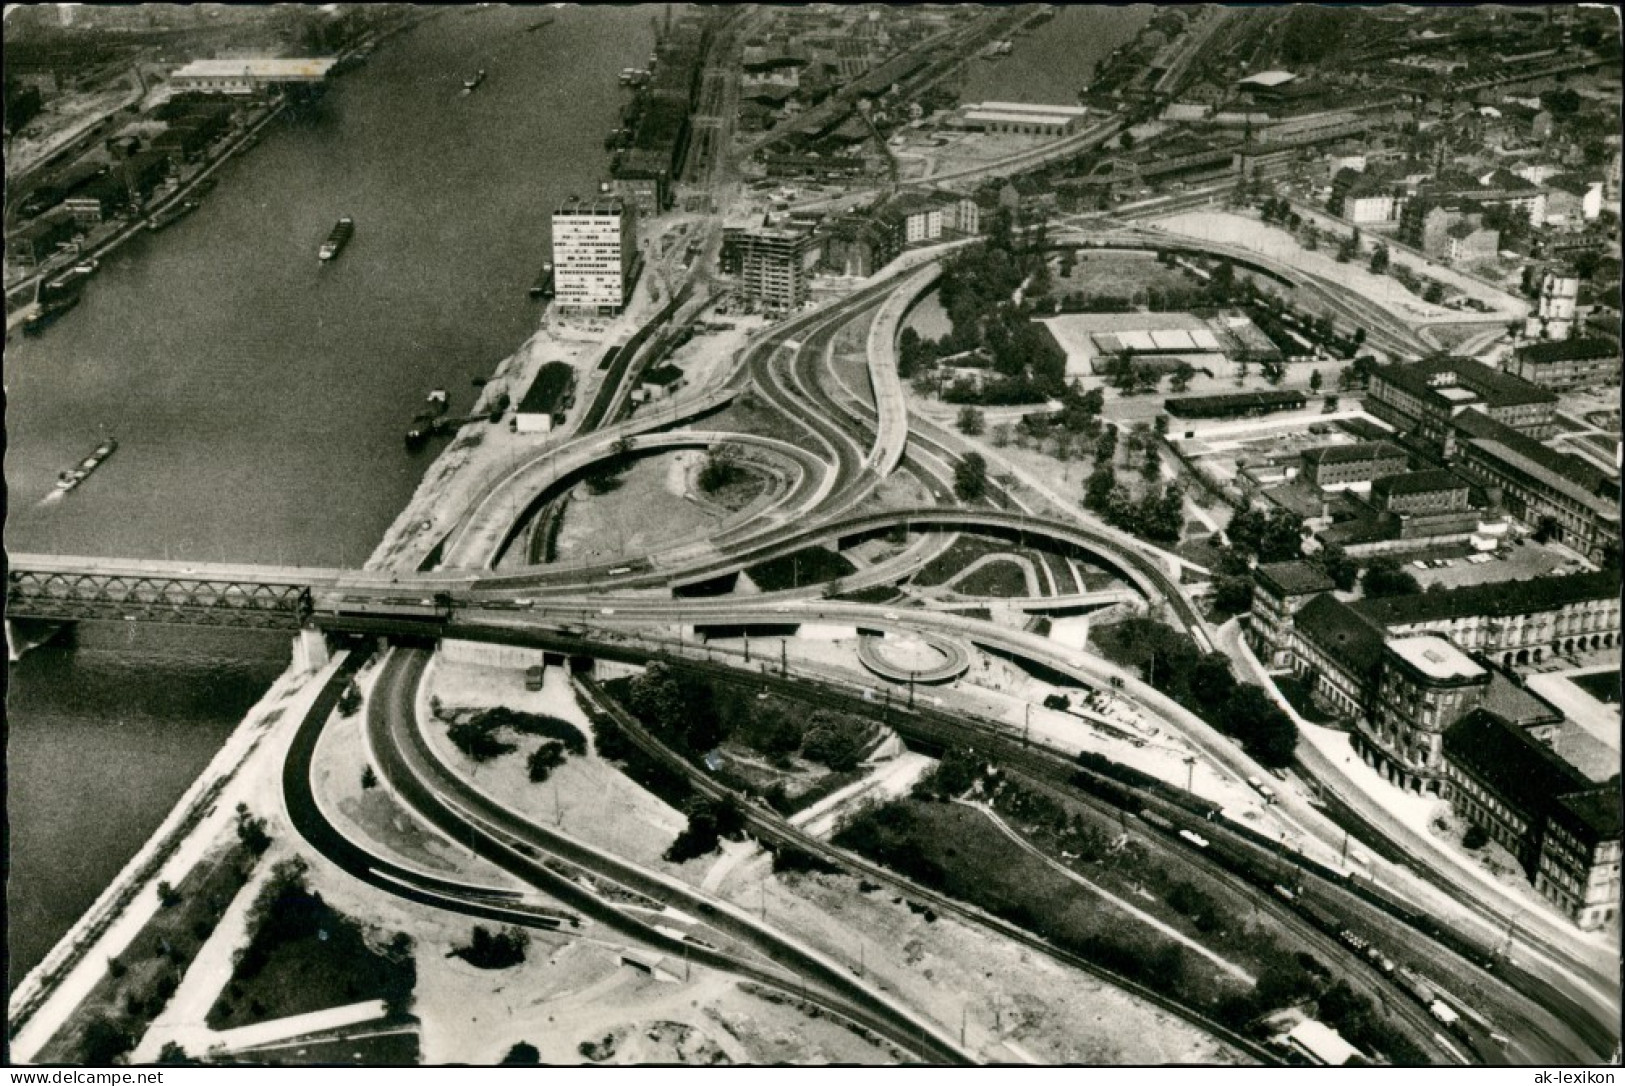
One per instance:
[(494, 950), (251, 831), (544, 760), (988, 291), (1278, 209), (971, 422), (1130, 377), (955, 773), (709, 821), (608, 475), (1254, 536), (695, 715), (23, 104), (1158, 515), (721, 468), (679, 706), (1205, 685), (970, 477), (1386, 577), (995, 392)]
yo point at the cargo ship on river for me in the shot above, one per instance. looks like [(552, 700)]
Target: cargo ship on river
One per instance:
[(337, 240), (72, 478)]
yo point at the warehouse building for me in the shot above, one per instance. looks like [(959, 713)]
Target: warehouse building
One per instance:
[(251, 75), (1023, 118), (547, 400)]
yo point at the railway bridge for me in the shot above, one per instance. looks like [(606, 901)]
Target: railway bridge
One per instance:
[(50, 591)]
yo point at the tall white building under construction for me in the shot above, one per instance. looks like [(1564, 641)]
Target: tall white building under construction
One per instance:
[(595, 246)]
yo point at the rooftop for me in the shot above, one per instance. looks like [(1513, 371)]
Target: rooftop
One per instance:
[(1358, 451), (1266, 79), (1515, 703), (601, 205), (1435, 657), (1596, 809), (1294, 578), (547, 391), (1522, 769), (1342, 633), (1564, 350), (1580, 474), (257, 68), (1322, 1042), (1018, 117), (1419, 482), (1494, 599), (1425, 378), (1030, 107)]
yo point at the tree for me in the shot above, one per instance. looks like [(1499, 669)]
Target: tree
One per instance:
[(105, 1040), (1180, 380), (1268, 733), (350, 699), (970, 478), (251, 831), (721, 468), (1337, 565), (544, 759), (369, 779), (1314, 381), (1211, 682), (168, 896), (1102, 481), (1379, 259), (523, 1053), (971, 422), (1475, 837), (1386, 577), (1233, 595), (1331, 404)]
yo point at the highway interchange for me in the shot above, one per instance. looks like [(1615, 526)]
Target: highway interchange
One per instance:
[(1557, 1004), (850, 449)]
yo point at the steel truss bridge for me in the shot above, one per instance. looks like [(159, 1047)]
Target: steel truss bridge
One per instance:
[(71, 589)]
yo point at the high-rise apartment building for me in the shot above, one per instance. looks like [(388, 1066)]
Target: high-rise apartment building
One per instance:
[(595, 245)]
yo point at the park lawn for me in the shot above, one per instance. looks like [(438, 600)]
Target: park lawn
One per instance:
[(958, 851), (1119, 275), (321, 961), (158, 956), (1602, 685), (1002, 578), (395, 1049), (810, 565)]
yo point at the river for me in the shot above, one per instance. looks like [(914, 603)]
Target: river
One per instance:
[(259, 398), (1051, 64)]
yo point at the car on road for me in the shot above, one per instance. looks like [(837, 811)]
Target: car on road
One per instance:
[(890, 616), (606, 610)]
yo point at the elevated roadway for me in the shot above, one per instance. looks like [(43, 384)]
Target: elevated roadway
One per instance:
[(427, 786)]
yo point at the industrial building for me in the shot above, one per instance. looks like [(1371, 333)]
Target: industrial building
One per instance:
[(1566, 364), (1089, 340), (594, 254), (547, 400), (1573, 500), (1423, 397), (1022, 118), (251, 75)]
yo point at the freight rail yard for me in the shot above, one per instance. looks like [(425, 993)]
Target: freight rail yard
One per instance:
[(804, 707)]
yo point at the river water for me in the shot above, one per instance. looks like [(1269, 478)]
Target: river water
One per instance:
[(1051, 64), (259, 399)]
